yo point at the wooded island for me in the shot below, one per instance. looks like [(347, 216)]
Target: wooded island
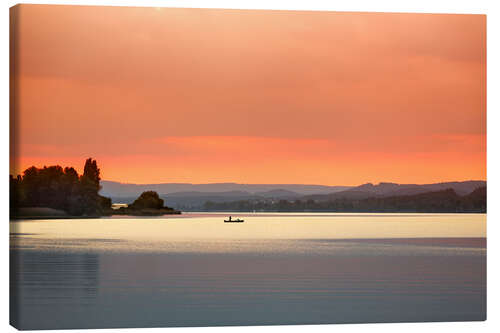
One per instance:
[(57, 192)]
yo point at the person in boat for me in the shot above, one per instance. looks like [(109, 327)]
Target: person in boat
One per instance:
[(229, 218)]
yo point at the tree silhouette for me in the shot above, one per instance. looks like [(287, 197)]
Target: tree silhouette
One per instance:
[(59, 188), (148, 199), (91, 173)]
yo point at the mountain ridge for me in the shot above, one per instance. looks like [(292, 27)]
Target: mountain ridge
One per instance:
[(194, 196), (116, 189), (385, 189)]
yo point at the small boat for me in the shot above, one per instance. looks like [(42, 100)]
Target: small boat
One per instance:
[(230, 220)]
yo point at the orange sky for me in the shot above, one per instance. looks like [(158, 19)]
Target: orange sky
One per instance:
[(190, 95)]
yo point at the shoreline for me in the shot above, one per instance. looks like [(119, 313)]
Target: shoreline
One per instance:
[(73, 217), (223, 213)]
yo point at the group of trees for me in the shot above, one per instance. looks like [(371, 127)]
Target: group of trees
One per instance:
[(147, 200), (148, 203), (59, 188), (446, 201)]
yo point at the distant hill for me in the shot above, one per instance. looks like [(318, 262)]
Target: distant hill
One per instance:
[(278, 194), (186, 197), (385, 189), (392, 189), (227, 194), (442, 201), (120, 190), (193, 200)]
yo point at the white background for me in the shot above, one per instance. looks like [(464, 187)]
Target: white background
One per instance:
[(490, 8)]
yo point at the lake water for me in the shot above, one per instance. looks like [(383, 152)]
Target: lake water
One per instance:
[(196, 270)]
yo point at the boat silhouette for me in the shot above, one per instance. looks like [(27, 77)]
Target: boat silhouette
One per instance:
[(230, 220)]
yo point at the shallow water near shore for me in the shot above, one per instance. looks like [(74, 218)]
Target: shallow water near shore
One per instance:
[(196, 270)]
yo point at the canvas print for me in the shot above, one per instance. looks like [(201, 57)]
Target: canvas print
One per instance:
[(212, 167)]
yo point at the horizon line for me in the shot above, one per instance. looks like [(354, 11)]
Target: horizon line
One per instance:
[(301, 184)]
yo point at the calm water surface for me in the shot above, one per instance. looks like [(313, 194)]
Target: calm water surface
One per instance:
[(196, 270)]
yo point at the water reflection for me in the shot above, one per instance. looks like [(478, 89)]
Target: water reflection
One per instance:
[(110, 273), (65, 290), (43, 282)]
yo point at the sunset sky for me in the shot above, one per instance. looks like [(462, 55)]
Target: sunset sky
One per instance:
[(190, 95)]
